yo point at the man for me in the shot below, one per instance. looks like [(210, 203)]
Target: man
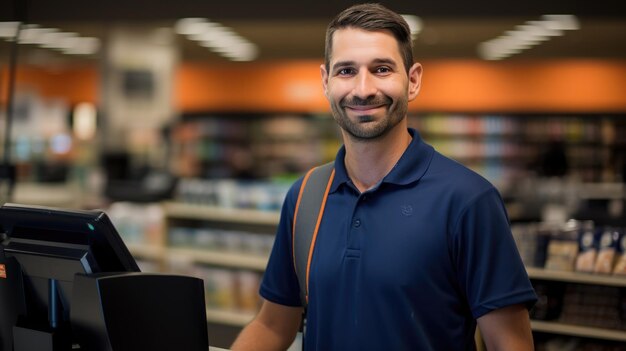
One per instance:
[(413, 249)]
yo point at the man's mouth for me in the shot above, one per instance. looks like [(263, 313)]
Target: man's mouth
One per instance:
[(364, 108), (366, 105)]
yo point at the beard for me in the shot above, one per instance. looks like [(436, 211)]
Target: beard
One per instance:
[(365, 127)]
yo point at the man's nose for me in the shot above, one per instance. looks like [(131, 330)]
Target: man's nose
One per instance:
[(365, 85)]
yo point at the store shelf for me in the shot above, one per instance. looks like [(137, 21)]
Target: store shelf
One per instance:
[(602, 191), (579, 331), (226, 259), (150, 252), (574, 277), (64, 195), (227, 317), (211, 213)]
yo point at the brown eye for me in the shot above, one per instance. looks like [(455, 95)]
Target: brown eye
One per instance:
[(345, 72)]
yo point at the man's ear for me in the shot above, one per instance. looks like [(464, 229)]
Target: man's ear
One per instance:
[(324, 78), (415, 80)]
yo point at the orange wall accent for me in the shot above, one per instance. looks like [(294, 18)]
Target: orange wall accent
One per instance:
[(271, 87), (448, 85), (573, 85), (542, 86), (74, 84)]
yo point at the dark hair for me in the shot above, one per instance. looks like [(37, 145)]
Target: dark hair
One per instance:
[(372, 17)]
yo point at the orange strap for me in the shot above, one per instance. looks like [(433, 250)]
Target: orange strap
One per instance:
[(306, 221)]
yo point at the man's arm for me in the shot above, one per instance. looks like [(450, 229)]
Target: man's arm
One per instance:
[(274, 328), (507, 328)]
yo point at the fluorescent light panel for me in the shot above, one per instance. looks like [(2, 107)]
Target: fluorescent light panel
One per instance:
[(415, 24), (527, 35), (50, 38), (217, 38)]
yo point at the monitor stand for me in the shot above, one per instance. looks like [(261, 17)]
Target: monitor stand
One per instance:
[(55, 336)]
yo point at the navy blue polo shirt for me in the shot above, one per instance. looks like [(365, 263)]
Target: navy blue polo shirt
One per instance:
[(408, 265)]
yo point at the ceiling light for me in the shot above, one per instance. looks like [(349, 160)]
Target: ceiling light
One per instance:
[(561, 22), (526, 36), (34, 35), (415, 24), (83, 46), (27, 33), (218, 38), (539, 29), (212, 32), (8, 29), (56, 40), (244, 51), (190, 26), (66, 42)]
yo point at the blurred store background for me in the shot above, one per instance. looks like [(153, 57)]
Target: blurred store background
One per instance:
[(187, 121)]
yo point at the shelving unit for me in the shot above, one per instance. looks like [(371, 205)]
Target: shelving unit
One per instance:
[(216, 258), (257, 145), (225, 322), (230, 318), (223, 259), (560, 328), (178, 210), (576, 330), (149, 252), (503, 146), (235, 319), (574, 277)]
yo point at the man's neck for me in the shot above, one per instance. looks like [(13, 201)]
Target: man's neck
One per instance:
[(369, 162)]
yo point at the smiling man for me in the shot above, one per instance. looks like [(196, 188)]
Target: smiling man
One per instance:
[(413, 250)]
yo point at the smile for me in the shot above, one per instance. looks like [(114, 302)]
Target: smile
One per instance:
[(365, 108)]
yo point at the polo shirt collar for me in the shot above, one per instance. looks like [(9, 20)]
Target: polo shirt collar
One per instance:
[(410, 168)]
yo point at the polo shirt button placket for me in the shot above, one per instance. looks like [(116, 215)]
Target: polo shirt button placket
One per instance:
[(356, 223)]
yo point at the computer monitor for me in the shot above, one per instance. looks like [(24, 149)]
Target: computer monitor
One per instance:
[(41, 250)]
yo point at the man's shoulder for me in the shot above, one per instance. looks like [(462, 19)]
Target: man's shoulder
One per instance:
[(456, 178)]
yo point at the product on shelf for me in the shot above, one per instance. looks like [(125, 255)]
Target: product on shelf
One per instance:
[(138, 223), (228, 289), (248, 291), (620, 267), (588, 244), (220, 285), (147, 266), (609, 241), (563, 248), (235, 241), (525, 236), (578, 246), (228, 193)]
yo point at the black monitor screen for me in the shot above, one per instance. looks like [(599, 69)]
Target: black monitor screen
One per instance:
[(42, 249)]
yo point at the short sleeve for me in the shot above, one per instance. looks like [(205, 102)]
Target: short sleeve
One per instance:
[(489, 268), (280, 283)]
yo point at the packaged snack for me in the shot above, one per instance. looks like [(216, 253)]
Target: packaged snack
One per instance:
[(607, 251), (588, 248), (563, 248), (620, 267)]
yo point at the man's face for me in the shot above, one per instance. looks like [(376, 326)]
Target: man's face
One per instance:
[(367, 84)]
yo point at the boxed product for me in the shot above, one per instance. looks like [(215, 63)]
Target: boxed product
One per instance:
[(563, 248), (545, 231), (620, 267), (607, 250), (588, 248)]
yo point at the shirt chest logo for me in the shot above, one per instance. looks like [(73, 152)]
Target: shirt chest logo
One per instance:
[(407, 210)]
